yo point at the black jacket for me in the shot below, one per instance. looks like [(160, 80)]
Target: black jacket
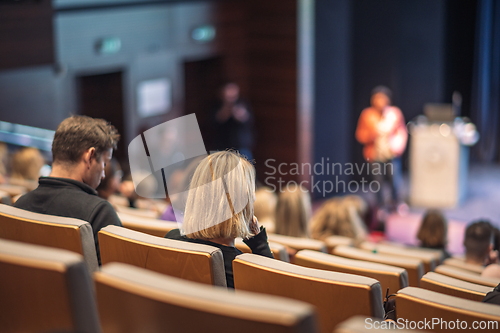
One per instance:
[(258, 244), (70, 198), (493, 297)]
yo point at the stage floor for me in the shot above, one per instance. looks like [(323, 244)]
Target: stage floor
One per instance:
[(482, 201)]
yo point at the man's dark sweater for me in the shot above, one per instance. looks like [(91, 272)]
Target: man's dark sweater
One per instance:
[(493, 297), (70, 198), (258, 244)]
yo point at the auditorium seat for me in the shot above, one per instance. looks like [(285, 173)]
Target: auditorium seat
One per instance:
[(428, 258), (44, 289), (132, 299), (334, 241), (190, 261), (416, 304), (335, 295), (5, 198), (147, 225), (298, 243), (152, 214), (13, 190), (48, 230), (450, 286), (414, 267), (468, 276), (438, 254), (390, 277), (278, 250), (460, 263)]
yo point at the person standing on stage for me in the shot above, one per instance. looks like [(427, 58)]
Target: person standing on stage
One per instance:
[(382, 130)]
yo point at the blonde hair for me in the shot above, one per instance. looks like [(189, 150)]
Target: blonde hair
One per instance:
[(293, 212), (341, 217), (26, 164), (220, 199), (264, 207)]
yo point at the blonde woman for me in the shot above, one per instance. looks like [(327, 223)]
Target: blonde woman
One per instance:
[(293, 212), (219, 208), (264, 207), (341, 216), (26, 166)]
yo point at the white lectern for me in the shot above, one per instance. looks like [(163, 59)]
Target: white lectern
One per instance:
[(438, 166)]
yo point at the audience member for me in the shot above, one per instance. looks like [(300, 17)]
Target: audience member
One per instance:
[(4, 154), (293, 212), (478, 243), (222, 183), (26, 164), (340, 217), (493, 297), (81, 148), (112, 179), (264, 207), (433, 231)]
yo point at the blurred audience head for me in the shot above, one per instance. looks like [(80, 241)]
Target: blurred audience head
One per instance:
[(293, 212), (26, 164), (112, 180), (264, 207), (341, 216), (433, 230), (77, 134), (4, 154), (230, 92), (221, 196), (381, 97), (478, 241)]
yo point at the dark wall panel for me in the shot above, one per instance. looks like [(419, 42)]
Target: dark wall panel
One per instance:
[(26, 34), (333, 86)]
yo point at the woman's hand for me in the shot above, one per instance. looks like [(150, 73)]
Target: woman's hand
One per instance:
[(254, 226)]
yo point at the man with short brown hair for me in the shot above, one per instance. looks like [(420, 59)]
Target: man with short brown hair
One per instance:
[(81, 148)]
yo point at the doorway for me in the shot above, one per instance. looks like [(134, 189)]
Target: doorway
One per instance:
[(203, 79), (101, 96)]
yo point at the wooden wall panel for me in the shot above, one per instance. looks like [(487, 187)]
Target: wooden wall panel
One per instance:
[(272, 54)]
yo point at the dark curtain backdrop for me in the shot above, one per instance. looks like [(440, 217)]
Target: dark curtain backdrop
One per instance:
[(486, 85)]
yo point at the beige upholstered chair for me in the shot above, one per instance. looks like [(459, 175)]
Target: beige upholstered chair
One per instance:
[(454, 287), (147, 225), (48, 230), (438, 254), (468, 276), (278, 250), (194, 262), (298, 243), (414, 267), (13, 190), (336, 295), (334, 241), (45, 290), (416, 304), (137, 212), (390, 277), (5, 198), (460, 263), (429, 259), (132, 299)]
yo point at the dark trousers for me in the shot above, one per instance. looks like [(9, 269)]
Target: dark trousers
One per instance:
[(387, 173)]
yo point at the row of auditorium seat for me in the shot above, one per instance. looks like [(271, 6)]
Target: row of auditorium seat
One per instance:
[(336, 296)]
